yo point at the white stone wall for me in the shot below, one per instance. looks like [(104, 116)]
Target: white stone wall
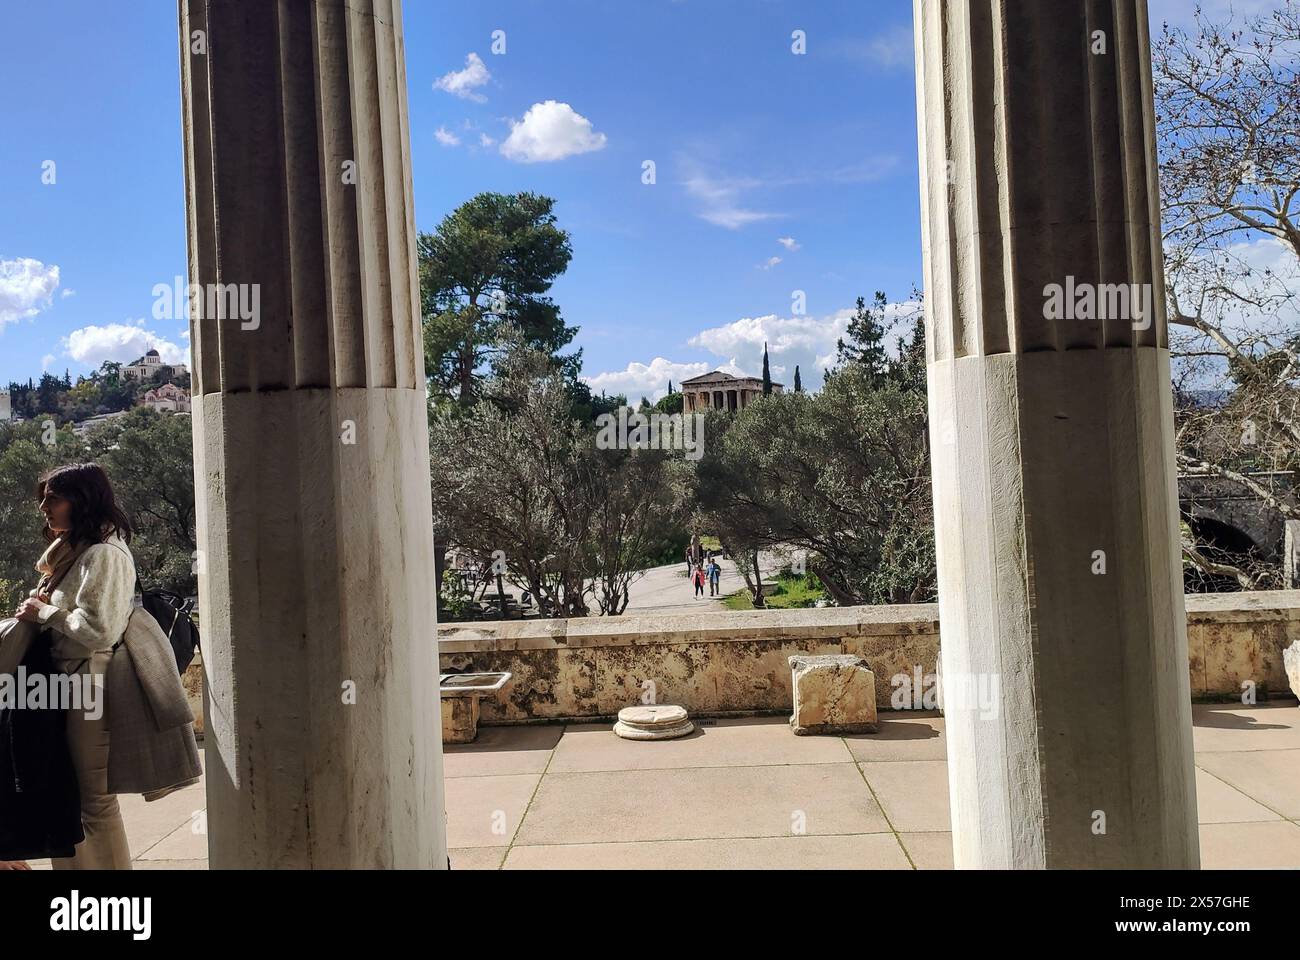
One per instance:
[(737, 663)]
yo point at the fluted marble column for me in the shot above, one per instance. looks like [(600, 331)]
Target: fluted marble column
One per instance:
[(1056, 510), (317, 594)]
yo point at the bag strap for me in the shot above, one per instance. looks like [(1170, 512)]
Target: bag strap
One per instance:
[(126, 553)]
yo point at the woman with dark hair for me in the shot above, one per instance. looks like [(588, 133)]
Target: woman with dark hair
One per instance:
[(84, 601)]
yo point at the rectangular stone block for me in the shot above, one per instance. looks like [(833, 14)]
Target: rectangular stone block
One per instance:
[(833, 694), (459, 719)]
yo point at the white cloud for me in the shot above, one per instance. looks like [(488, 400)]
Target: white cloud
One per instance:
[(790, 243), (69, 292), (550, 131), (1264, 272), (720, 197), (869, 170), (770, 262), (804, 341), (446, 137), (485, 141), (464, 83), (733, 218), (893, 49), (46, 361), (121, 343), (646, 380), (26, 288)]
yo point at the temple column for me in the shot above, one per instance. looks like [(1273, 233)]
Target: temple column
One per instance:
[(1065, 672), (311, 442)]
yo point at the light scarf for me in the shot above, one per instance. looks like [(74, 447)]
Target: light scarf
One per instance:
[(55, 563)]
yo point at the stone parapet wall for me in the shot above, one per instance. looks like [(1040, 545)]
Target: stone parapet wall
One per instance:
[(1236, 637), (737, 663)]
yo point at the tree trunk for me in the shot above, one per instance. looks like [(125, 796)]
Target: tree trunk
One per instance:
[(841, 596), (439, 568), (467, 376)]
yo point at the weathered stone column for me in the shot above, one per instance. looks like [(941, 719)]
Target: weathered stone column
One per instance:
[(311, 441), (1054, 483)]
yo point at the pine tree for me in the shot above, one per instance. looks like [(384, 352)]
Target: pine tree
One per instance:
[(767, 374), (866, 343), (798, 384)]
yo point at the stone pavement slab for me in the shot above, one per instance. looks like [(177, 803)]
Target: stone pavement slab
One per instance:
[(760, 741), (914, 793), (872, 851), (701, 803), (749, 794), (499, 751), (487, 811), (1272, 777)]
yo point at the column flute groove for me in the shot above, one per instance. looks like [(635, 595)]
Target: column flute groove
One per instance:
[(311, 439), (1056, 511)]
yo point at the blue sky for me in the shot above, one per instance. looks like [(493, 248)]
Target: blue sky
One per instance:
[(775, 172)]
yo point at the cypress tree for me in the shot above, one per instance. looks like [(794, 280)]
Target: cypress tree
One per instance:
[(798, 384), (767, 374)]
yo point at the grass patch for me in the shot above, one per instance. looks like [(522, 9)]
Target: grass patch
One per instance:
[(788, 593)]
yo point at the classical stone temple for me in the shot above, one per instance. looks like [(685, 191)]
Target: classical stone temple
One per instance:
[(1054, 485), (720, 390)]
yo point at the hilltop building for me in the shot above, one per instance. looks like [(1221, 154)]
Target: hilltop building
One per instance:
[(168, 398), (721, 390), (149, 365)]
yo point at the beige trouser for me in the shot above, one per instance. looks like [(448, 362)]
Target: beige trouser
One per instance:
[(105, 845)]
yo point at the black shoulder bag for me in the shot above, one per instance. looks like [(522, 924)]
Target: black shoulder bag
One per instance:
[(175, 616)]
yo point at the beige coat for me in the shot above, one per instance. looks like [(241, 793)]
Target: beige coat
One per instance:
[(90, 606), (151, 747)]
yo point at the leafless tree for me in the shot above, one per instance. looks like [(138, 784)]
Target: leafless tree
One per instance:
[(1228, 105)]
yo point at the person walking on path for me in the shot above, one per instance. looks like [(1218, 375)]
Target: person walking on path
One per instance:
[(84, 600), (715, 577), (83, 618), (698, 579)]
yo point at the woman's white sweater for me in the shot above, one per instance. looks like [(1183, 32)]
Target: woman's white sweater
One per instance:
[(90, 608)]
